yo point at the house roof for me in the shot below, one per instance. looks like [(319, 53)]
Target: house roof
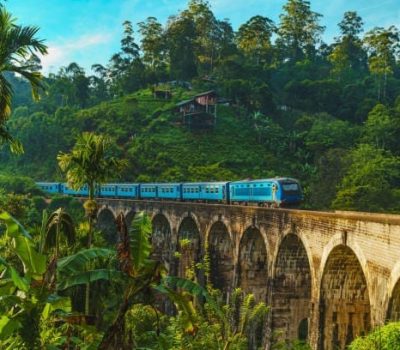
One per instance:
[(182, 103), (209, 92)]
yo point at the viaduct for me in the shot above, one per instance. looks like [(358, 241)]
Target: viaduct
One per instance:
[(328, 277)]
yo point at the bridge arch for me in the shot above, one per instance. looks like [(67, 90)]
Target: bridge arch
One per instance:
[(161, 239), (345, 310), (129, 216), (292, 289), (107, 225), (220, 249), (253, 263), (188, 245)]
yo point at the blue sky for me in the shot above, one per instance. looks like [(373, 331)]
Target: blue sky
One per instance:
[(89, 31)]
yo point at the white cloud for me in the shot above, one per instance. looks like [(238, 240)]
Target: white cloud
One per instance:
[(61, 54)]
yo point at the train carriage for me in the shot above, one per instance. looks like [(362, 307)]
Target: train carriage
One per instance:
[(191, 191), (214, 191), (205, 191), (108, 190), (128, 190), (50, 187), (83, 191), (148, 190), (169, 191)]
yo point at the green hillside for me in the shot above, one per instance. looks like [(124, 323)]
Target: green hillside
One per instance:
[(148, 133)]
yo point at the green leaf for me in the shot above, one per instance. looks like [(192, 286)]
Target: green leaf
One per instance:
[(7, 327), (14, 228), (34, 262), (20, 282), (172, 282), (77, 262), (139, 233), (86, 277), (17, 280), (56, 303)]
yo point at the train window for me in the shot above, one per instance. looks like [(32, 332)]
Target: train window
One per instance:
[(217, 190)]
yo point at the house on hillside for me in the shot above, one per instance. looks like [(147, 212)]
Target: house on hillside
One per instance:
[(199, 112)]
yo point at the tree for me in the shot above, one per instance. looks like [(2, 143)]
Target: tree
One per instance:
[(90, 163), (383, 46), (254, 38), (181, 35), (126, 67), (18, 44), (379, 128), (348, 53), (299, 30), (371, 182), (206, 33), (152, 43)]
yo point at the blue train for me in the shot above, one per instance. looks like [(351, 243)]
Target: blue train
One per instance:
[(275, 192)]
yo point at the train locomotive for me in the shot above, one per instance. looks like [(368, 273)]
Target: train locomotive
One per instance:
[(274, 192)]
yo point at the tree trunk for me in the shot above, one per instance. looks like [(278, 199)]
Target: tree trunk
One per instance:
[(89, 244)]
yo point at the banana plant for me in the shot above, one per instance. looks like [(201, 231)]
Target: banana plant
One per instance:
[(59, 222), (142, 274), (24, 295)]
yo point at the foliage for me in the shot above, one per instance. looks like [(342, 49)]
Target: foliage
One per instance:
[(89, 162), (371, 182), (18, 48), (383, 338)]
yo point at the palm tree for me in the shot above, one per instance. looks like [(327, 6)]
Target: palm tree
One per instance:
[(90, 163), (17, 46)]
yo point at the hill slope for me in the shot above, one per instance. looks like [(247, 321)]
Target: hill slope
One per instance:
[(148, 134)]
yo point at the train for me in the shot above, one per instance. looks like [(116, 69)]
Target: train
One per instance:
[(273, 192)]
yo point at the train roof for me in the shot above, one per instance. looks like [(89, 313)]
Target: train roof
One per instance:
[(160, 183), (205, 183), (270, 179), (119, 184)]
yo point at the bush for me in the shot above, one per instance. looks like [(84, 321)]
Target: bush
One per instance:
[(383, 338)]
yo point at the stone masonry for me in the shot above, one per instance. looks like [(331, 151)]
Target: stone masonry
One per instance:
[(328, 277)]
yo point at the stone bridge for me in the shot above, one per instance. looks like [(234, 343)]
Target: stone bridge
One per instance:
[(328, 277)]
